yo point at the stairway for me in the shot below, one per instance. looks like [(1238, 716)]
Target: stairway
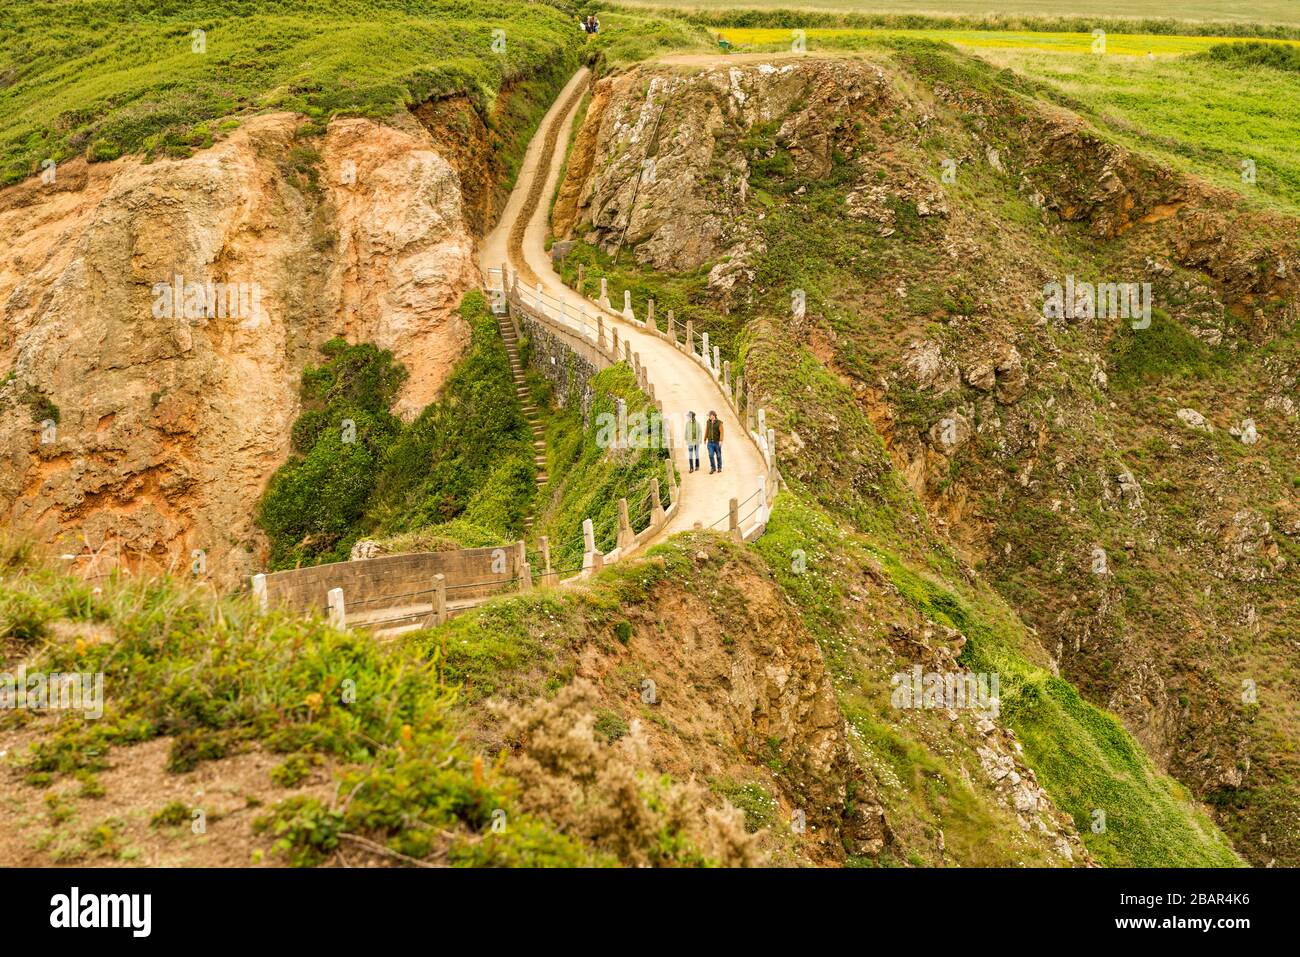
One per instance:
[(530, 410)]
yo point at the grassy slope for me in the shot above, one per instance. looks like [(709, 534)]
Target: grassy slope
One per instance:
[(1200, 115), (104, 77), (1083, 756), (519, 646), (376, 729), (218, 679)]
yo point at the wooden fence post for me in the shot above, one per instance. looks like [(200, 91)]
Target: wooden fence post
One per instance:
[(591, 557), (733, 519)]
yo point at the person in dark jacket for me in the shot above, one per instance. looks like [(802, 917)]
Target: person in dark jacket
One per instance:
[(713, 439)]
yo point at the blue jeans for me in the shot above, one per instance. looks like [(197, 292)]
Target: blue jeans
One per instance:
[(715, 455), (693, 456)]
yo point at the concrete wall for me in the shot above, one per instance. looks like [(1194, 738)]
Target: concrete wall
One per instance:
[(392, 575)]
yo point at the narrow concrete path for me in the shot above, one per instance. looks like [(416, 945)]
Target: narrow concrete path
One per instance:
[(679, 382)]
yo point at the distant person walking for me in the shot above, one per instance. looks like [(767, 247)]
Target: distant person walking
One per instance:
[(693, 436), (713, 439)]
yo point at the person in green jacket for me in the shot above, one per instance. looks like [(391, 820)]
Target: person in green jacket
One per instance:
[(693, 435), (713, 439)]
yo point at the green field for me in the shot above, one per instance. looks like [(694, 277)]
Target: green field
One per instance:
[(1265, 11), (1186, 99), (104, 77), (1199, 115), (1116, 44)]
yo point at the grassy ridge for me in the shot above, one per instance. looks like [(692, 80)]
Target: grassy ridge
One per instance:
[(105, 77), (1206, 115), (1132, 44)]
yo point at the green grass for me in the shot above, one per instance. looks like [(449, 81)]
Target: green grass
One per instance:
[(106, 77), (1165, 349), (628, 38), (764, 39), (1204, 114)]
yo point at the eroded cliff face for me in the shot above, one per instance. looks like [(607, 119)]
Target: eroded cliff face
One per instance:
[(167, 421), (1031, 442)]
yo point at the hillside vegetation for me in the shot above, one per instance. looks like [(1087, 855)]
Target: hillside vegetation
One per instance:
[(286, 742), (459, 476), (105, 77)]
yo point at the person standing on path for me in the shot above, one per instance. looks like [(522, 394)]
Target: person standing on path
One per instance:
[(693, 435), (713, 439)]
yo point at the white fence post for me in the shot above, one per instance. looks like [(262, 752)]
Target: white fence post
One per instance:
[(591, 558), (439, 599), (338, 609)]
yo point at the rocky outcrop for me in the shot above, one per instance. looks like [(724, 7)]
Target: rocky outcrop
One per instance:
[(738, 678), (674, 178), (165, 414)]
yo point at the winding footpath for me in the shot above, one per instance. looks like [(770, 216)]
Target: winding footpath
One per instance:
[(680, 382)]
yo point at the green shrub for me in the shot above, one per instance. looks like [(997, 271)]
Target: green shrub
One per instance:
[(24, 617), (1276, 56), (173, 814)]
